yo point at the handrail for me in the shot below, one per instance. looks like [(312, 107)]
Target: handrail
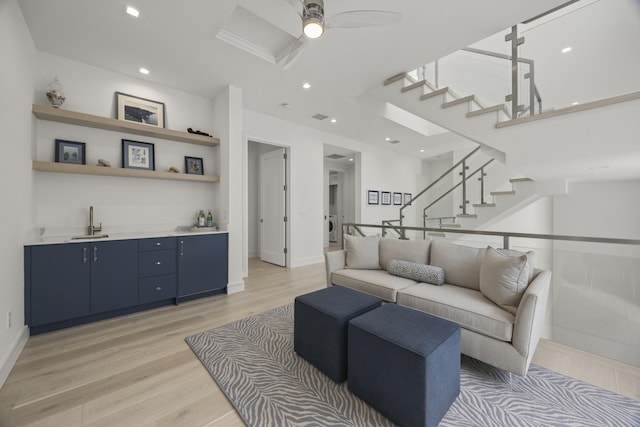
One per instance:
[(533, 88), (436, 181), (507, 234), (390, 225), (424, 211)]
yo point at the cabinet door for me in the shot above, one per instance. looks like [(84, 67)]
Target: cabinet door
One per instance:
[(60, 282), (202, 263), (114, 275)]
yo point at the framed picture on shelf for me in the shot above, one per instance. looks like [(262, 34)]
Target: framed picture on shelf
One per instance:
[(140, 110), (407, 198), (70, 152), (138, 155), (193, 165), (397, 198), (372, 197), (386, 197)]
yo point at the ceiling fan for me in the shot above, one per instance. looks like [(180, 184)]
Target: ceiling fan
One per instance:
[(314, 22)]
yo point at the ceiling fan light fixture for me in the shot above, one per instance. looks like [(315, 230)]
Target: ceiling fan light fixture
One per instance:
[(313, 27)]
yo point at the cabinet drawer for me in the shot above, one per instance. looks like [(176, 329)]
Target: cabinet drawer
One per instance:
[(157, 288), (157, 243), (156, 263)]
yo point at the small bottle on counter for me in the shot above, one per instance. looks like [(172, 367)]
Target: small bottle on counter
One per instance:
[(201, 218), (209, 219)]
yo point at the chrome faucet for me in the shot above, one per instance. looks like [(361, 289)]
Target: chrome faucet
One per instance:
[(91, 228)]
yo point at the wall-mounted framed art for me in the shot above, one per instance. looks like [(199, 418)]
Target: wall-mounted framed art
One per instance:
[(385, 197), (397, 198), (138, 155), (372, 197), (140, 110), (70, 152)]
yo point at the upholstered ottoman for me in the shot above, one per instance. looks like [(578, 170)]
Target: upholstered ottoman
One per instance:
[(405, 363), (320, 327)]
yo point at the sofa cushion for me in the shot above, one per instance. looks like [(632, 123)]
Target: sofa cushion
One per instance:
[(467, 307), (503, 278), (378, 283), (530, 256), (419, 272), (461, 264), (405, 250), (362, 252)]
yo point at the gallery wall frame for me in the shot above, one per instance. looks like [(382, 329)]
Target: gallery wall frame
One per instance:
[(140, 110)]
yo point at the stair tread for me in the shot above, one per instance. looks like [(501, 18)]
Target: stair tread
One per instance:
[(502, 193), (413, 86), (512, 180), (395, 78), (436, 234), (434, 93), (492, 109), (451, 225), (484, 205), (458, 101), (467, 216)]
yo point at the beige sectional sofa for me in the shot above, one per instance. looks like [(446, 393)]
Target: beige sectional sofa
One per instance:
[(496, 296)]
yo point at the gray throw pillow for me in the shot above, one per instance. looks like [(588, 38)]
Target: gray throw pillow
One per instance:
[(503, 278), (413, 270), (362, 252)]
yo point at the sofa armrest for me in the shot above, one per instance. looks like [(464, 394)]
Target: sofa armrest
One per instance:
[(531, 314), (334, 261)]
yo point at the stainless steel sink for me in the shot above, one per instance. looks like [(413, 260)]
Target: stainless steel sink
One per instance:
[(95, 236)]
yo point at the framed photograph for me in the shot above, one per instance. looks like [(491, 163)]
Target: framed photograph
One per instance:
[(386, 197), (193, 165), (70, 152), (407, 198), (372, 197), (397, 198), (140, 110), (138, 155)]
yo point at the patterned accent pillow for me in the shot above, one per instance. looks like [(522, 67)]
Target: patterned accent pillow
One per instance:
[(420, 272)]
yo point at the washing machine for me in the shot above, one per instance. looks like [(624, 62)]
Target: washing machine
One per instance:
[(333, 228)]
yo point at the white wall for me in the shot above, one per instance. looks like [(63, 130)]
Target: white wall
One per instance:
[(121, 204), (16, 86), (379, 170)]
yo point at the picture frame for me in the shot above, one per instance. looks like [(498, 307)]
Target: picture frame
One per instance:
[(139, 110), (193, 165), (138, 155), (373, 197), (385, 197), (397, 198), (70, 152), (407, 198)]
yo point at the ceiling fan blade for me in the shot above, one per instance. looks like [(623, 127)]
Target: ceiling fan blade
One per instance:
[(292, 51), (297, 5), (362, 18)]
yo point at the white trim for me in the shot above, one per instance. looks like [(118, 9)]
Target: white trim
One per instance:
[(308, 261), (13, 354), (234, 288)]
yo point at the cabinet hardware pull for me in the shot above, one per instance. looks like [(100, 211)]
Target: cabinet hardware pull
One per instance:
[(158, 244), (84, 255), (158, 288), (158, 263), (181, 247), (95, 253)]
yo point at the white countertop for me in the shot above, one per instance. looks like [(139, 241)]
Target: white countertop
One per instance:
[(68, 238)]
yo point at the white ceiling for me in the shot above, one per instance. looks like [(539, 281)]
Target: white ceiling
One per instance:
[(177, 41)]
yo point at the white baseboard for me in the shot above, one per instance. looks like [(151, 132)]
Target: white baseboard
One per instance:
[(234, 288), (307, 261), (12, 356)]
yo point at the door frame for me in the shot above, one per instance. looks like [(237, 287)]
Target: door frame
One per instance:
[(289, 151)]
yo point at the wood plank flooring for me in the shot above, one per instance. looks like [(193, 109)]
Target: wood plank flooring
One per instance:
[(136, 370)]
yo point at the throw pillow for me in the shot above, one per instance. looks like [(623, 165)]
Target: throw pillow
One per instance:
[(413, 270), (529, 254), (405, 250), (503, 278), (362, 252)]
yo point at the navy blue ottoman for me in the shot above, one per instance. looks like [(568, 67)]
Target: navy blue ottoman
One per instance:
[(320, 327), (405, 363)]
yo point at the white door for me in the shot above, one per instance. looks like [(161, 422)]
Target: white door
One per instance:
[(272, 206)]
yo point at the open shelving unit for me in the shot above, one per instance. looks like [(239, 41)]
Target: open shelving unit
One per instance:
[(48, 113)]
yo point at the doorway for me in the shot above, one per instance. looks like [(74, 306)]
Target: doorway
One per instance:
[(341, 196), (267, 203)]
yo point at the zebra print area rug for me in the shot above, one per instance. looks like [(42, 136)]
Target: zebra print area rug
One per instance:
[(253, 362)]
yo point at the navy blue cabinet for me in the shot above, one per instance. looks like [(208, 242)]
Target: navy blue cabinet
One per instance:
[(60, 283), (202, 263), (157, 269), (114, 275)]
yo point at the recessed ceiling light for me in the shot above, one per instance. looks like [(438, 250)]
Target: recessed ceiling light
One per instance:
[(333, 120), (566, 49), (144, 71), (387, 139), (422, 151), (351, 160), (575, 103), (306, 86), (133, 11)]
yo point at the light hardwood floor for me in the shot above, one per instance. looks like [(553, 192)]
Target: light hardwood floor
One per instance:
[(137, 370)]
